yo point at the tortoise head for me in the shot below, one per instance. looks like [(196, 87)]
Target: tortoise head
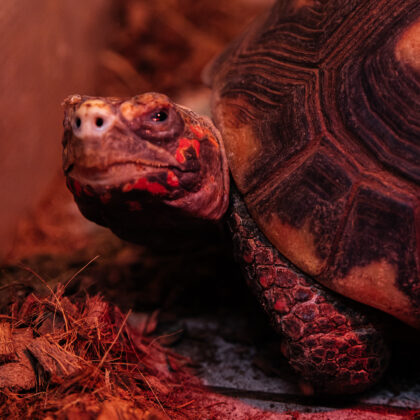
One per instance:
[(143, 161)]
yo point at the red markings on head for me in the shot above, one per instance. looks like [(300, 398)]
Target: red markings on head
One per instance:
[(184, 145), (196, 146), (145, 184), (197, 131), (214, 142), (172, 180)]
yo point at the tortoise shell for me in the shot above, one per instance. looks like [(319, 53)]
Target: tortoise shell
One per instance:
[(319, 107)]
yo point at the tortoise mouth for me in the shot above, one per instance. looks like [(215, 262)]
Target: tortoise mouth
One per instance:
[(116, 174)]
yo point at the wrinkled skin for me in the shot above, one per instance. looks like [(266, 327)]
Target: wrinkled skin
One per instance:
[(143, 165)]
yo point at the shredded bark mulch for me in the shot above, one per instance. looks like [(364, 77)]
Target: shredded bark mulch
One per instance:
[(63, 357)]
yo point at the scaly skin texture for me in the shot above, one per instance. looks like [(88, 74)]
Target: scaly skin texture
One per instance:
[(330, 343), (147, 168)]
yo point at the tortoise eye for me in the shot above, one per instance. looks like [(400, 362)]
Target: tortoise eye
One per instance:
[(161, 122), (159, 116)]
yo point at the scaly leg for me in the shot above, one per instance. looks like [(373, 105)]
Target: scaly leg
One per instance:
[(328, 339)]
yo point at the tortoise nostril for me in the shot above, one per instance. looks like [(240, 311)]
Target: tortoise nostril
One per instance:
[(78, 122), (99, 122)]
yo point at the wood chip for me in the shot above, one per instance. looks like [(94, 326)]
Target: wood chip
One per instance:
[(53, 358), (7, 349)]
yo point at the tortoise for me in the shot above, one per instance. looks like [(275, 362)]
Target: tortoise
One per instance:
[(318, 107)]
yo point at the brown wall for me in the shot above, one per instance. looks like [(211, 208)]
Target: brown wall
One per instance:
[(47, 51)]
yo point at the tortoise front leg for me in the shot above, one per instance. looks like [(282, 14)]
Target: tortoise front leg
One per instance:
[(328, 339)]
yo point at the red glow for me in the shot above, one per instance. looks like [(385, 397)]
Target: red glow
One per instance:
[(185, 144), (197, 131), (172, 179), (145, 184)]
